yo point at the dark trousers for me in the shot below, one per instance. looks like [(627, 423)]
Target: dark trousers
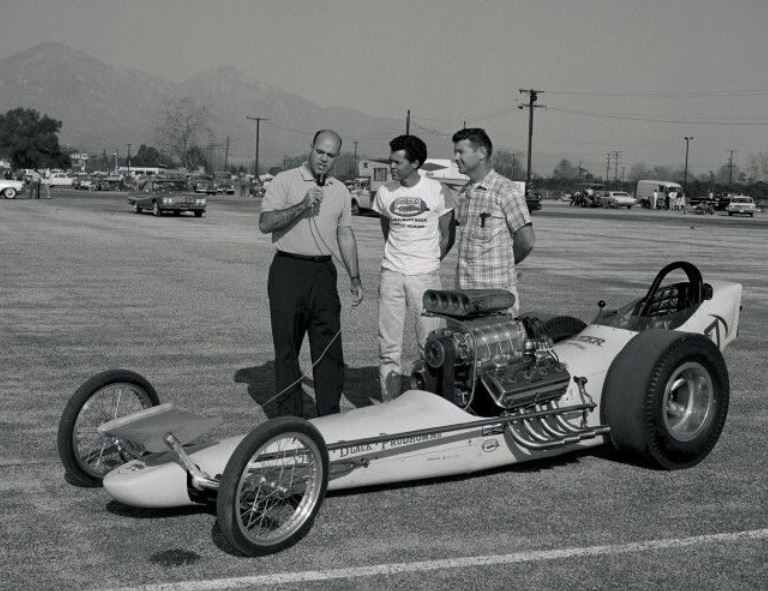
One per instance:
[(303, 299)]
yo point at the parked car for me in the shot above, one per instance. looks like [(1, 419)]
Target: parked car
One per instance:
[(224, 183), (206, 186), (741, 205), (533, 201), (617, 199), (362, 200), (10, 188), (84, 183), (161, 195), (113, 182), (59, 179)]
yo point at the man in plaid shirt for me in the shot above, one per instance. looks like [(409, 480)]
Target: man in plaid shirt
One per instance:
[(496, 229)]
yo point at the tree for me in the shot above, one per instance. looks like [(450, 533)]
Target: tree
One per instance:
[(194, 158), (565, 170), (31, 141), (509, 164), (148, 156), (757, 166), (726, 172), (661, 172), (183, 120), (345, 167), (638, 172)]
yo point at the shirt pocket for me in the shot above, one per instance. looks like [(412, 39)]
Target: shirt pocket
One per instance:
[(484, 229)]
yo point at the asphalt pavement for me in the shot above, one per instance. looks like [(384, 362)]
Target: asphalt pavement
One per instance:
[(86, 285)]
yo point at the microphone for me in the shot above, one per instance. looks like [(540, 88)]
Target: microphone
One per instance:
[(321, 179)]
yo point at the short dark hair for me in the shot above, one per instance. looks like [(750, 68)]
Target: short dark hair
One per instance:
[(414, 148), (476, 136), (326, 132)]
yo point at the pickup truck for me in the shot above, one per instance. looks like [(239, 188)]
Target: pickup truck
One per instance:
[(10, 188)]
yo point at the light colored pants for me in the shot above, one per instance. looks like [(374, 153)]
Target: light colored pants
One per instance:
[(397, 293)]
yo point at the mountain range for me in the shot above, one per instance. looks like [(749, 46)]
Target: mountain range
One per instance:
[(103, 107)]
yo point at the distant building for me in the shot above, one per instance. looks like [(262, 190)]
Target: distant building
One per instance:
[(443, 170), (142, 170)]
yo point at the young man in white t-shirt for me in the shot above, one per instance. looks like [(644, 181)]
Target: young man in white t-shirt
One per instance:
[(416, 216)]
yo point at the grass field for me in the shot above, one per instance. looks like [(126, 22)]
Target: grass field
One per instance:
[(85, 285)]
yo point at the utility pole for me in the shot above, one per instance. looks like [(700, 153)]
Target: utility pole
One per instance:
[(355, 157), (533, 96), (607, 166), (226, 155), (129, 160), (465, 125), (408, 123), (258, 121), (616, 155), (730, 167), (687, 139)]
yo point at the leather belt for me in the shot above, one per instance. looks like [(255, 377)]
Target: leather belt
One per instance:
[(323, 258)]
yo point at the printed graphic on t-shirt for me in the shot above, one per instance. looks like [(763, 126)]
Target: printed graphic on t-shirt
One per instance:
[(406, 211), (408, 207)]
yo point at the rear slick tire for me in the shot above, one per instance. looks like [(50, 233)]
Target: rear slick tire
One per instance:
[(666, 398), (272, 487)]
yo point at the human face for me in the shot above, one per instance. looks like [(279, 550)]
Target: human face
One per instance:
[(401, 168), (467, 157), (323, 154)]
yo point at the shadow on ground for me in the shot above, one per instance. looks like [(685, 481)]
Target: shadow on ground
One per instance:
[(117, 508), (360, 384)]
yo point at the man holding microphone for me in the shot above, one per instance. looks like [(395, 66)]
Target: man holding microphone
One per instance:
[(306, 210)]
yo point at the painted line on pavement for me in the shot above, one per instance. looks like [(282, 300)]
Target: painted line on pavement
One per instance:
[(398, 568)]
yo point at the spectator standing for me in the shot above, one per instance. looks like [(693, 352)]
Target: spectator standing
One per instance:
[(496, 229), (306, 210), (416, 215)]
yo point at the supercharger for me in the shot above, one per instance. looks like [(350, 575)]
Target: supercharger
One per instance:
[(484, 348)]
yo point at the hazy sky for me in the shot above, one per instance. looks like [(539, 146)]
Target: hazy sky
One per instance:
[(691, 63)]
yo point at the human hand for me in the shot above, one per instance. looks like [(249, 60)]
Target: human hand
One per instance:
[(356, 289), (313, 198)]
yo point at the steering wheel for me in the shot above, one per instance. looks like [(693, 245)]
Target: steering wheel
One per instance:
[(695, 290)]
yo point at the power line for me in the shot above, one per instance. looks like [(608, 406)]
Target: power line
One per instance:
[(736, 122), (680, 94)]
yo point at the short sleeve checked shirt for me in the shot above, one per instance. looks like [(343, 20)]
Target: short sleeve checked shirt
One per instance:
[(489, 213)]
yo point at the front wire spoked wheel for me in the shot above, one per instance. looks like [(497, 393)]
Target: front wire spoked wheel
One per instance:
[(273, 486), (88, 455)]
